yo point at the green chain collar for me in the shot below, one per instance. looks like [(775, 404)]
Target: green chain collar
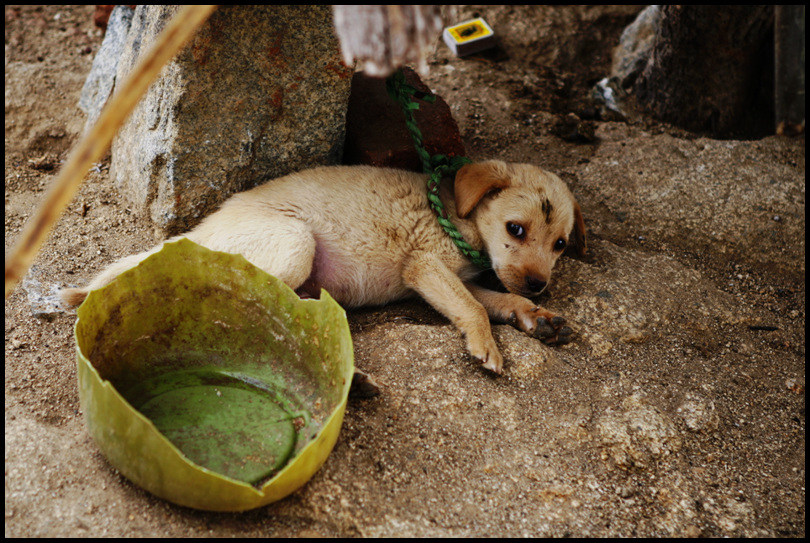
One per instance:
[(436, 166)]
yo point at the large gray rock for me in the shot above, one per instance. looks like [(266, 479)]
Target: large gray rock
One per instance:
[(99, 85), (259, 92)]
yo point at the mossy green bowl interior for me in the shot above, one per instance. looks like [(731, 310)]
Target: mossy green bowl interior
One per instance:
[(210, 383)]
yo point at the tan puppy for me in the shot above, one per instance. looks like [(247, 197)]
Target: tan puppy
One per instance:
[(368, 237)]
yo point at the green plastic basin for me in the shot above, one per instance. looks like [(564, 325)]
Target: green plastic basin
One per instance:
[(210, 383)]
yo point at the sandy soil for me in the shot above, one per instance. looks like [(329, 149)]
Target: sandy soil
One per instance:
[(677, 411)]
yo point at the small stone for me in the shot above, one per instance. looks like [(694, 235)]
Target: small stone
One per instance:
[(572, 128), (699, 413), (363, 386), (795, 385)]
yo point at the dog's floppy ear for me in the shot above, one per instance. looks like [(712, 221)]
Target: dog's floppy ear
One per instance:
[(474, 181), (580, 236)]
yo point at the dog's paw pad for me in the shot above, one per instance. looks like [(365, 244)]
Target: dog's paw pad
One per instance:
[(554, 331), (557, 321), (564, 335), (544, 329)]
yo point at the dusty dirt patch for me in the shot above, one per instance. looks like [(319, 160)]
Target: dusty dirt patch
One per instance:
[(678, 409)]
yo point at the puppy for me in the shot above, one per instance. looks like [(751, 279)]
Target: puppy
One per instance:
[(368, 236)]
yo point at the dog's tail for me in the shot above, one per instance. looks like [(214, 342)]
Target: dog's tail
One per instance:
[(72, 297)]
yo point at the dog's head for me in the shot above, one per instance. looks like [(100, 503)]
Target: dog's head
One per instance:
[(526, 217)]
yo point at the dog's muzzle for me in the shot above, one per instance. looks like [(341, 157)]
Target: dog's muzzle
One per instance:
[(535, 285)]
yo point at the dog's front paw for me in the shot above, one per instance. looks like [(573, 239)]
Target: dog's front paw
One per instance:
[(553, 331), (487, 353), (541, 324)]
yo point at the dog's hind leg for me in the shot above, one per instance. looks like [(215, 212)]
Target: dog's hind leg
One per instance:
[(281, 245)]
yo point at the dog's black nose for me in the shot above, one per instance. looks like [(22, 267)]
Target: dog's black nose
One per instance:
[(535, 284)]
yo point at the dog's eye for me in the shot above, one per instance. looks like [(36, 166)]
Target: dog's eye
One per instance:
[(515, 230), (559, 245)]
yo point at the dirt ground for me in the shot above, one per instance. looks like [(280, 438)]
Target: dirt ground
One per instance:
[(678, 410)]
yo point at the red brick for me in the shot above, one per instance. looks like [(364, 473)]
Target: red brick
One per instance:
[(376, 132)]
